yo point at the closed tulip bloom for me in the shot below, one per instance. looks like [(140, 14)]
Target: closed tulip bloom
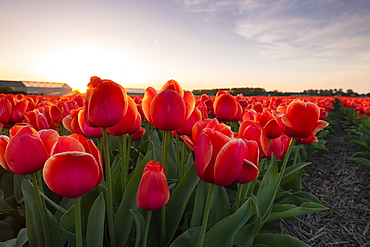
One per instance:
[(250, 169), (128, 123), (25, 152), (72, 174), (186, 128), (213, 124), (106, 103), (92, 132), (168, 109), (153, 192), (307, 140), (218, 158), (5, 110), (67, 143), (225, 107), (278, 147), (4, 140), (301, 119)]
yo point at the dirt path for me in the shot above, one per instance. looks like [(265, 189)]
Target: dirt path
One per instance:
[(344, 187)]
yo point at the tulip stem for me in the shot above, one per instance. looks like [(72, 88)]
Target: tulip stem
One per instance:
[(165, 144), (178, 156), (238, 198), (108, 178), (123, 153), (207, 209), (41, 206), (183, 160), (39, 179), (77, 210), (146, 229)]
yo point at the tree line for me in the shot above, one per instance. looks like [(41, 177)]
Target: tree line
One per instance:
[(257, 91)]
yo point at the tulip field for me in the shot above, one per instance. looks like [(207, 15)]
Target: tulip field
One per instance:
[(168, 168)]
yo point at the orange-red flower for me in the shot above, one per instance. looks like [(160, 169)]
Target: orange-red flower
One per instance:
[(72, 174), (153, 192), (105, 104), (24, 153), (130, 122), (301, 119), (168, 109), (219, 159), (225, 107)]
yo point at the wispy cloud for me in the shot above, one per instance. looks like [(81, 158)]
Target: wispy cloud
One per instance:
[(319, 29)]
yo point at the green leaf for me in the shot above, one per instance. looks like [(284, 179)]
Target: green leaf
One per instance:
[(140, 226), (199, 204), (295, 168), (22, 237), (95, 223), (289, 210), (33, 221), (365, 155), (362, 161), (220, 206), (124, 219), (225, 230), (6, 231), (178, 201), (297, 198), (67, 226), (278, 240), (245, 236), (188, 238), (266, 191)]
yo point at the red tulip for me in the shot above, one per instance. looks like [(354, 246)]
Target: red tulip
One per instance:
[(186, 128), (307, 140), (153, 192), (207, 123), (225, 107), (92, 132), (72, 174), (250, 169), (139, 134), (129, 122), (168, 109), (106, 103), (65, 144), (219, 159), (278, 146), (25, 153), (301, 119)]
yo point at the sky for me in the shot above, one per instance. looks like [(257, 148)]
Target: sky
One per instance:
[(284, 45)]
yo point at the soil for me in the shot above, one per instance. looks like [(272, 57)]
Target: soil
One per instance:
[(344, 187)]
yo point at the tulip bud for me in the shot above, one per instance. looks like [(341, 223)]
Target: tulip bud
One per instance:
[(153, 192)]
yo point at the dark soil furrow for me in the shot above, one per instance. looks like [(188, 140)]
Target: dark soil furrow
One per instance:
[(343, 186)]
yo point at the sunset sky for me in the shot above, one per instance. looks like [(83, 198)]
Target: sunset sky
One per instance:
[(285, 45)]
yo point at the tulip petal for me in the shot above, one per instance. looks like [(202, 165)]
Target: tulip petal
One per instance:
[(72, 174), (66, 144), (229, 162), (26, 154), (203, 155)]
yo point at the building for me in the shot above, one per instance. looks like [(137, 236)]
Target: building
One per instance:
[(38, 87)]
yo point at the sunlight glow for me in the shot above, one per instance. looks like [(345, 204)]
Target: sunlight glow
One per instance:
[(76, 65)]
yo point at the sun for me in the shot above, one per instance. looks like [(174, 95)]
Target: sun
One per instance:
[(75, 66)]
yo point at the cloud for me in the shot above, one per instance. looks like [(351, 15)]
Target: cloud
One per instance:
[(319, 29)]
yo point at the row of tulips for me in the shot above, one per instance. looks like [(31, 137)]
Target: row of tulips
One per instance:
[(357, 121), (165, 169)]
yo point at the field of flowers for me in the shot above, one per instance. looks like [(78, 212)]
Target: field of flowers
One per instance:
[(164, 169)]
